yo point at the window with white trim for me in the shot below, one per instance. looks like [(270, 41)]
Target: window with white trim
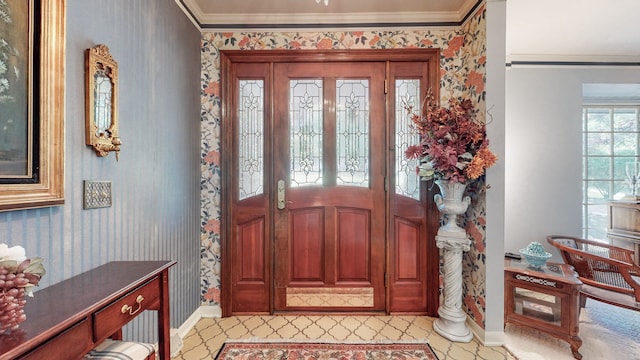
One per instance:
[(611, 139)]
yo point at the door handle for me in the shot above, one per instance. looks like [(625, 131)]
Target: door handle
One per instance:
[(281, 198)]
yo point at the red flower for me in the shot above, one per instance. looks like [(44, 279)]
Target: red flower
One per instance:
[(212, 294), (475, 234), (413, 152), (243, 42), (456, 43), (213, 157), (426, 42), (213, 226), (475, 79), (213, 88), (325, 43)]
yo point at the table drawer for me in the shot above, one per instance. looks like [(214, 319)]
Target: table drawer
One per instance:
[(624, 219), (70, 344), (111, 318)]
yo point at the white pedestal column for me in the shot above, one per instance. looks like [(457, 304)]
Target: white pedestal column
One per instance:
[(452, 239), (451, 323)]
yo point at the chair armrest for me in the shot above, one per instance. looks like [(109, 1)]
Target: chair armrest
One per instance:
[(595, 247), (601, 271)]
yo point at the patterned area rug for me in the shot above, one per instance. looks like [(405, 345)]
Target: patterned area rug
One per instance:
[(311, 351)]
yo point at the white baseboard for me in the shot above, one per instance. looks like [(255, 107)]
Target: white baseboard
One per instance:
[(494, 338), (180, 333), (210, 311), (491, 338), (477, 331)]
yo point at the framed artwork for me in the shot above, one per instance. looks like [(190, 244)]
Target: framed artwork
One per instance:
[(32, 47)]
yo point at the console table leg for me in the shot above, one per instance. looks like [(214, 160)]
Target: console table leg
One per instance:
[(164, 345), (575, 342)]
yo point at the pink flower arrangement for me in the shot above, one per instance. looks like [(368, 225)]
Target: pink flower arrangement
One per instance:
[(18, 277), (453, 145)]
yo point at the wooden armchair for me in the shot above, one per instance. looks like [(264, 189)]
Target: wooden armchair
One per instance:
[(607, 272)]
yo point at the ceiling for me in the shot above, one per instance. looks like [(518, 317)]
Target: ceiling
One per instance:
[(536, 30), (574, 30)]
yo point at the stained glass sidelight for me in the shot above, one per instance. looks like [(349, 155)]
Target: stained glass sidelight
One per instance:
[(251, 138), (407, 94), (352, 132), (305, 114)]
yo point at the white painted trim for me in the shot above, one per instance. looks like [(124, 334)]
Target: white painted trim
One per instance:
[(210, 20), (322, 29), (180, 333), (466, 8), (332, 18), (495, 91), (573, 58), (491, 338), (210, 311), (494, 338), (193, 7), (184, 329), (477, 331), (187, 13)]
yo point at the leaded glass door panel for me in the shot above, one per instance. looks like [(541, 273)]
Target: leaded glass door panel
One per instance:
[(413, 218), (330, 162)]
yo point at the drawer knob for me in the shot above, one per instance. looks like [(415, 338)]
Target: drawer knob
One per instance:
[(129, 309)]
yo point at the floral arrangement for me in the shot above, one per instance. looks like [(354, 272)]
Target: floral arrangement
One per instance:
[(18, 277), (453, 145)]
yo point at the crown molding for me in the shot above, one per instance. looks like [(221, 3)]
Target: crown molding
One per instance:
[(187, 12), (322, 20), (577, 60)]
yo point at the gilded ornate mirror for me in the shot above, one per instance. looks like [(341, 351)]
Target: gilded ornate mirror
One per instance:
[(101, 101)]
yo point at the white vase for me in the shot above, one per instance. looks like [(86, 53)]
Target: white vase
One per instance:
[(452, 239), (451, 203)]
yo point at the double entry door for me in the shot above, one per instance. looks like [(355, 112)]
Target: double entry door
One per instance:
[(325, 214)]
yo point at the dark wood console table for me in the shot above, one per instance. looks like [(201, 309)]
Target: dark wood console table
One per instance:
[(68, 319)]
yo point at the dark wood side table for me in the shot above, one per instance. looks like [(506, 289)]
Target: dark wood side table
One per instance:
[(68, 319), (546, 299)]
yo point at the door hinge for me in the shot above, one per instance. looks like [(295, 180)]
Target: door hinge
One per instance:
[(386, 279), (386, 89), (386, 184)]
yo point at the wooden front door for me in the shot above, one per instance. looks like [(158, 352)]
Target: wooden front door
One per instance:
[(330, 168), (321, 211)]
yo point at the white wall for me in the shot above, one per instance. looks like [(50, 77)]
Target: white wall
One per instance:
[(543, 148), (155, 184), (496, 33)]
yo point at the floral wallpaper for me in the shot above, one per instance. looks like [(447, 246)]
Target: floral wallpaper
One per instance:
[(462, 73)]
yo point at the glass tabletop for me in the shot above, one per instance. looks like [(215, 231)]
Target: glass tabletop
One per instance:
[(550, 269)]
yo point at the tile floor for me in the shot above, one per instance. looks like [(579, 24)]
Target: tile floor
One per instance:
[(208, 335)]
